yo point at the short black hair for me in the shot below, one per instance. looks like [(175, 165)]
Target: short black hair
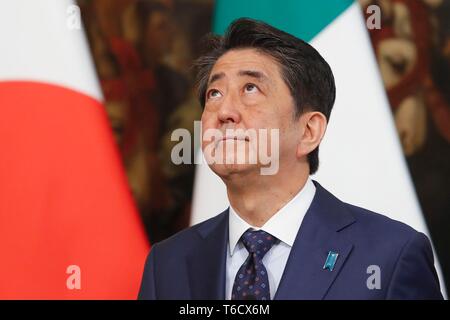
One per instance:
[(305, 72)]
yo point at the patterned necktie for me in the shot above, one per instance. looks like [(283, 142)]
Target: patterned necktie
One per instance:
[(251, 282)]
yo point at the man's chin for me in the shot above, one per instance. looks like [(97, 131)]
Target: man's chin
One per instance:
[(226, 170)]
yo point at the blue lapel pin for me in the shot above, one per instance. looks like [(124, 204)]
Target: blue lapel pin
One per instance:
[(331, 260)]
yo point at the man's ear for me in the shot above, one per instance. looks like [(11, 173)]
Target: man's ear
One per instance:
[(314, 125)]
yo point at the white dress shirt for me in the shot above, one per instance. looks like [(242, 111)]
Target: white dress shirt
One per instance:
[(283, 225)]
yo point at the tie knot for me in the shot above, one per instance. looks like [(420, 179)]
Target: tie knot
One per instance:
[(258, 242)]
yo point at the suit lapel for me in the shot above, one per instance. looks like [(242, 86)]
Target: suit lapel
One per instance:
[(304, 276), (206, 265)]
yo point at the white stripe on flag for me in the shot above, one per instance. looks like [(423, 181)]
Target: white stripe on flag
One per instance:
[(37, 45)]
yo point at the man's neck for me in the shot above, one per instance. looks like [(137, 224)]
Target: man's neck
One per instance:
[(256, 200)]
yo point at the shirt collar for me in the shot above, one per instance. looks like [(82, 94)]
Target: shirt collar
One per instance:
[(283, 225)]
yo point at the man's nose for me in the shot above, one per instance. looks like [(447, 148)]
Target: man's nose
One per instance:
[(229, 110)]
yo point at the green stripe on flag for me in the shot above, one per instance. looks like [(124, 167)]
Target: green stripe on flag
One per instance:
[(301, 18)]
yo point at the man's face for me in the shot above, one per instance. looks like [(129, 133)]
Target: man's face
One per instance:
[(246, 91)]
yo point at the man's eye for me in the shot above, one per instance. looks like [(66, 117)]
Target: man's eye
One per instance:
[(213, 93), (250, 87)]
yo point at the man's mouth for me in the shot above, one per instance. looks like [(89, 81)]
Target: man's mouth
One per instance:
[(236, 138), (232, 138)]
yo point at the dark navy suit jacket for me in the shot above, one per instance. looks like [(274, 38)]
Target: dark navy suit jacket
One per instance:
[(191, 264)]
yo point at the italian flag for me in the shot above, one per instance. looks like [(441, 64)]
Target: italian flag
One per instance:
[(361, 159), (68, 226)]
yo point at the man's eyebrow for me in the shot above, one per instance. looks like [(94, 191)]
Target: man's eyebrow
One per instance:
[(247, 73), (254, 74), (216, 77)]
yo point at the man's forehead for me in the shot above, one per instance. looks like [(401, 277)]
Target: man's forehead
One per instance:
[(238, 62)]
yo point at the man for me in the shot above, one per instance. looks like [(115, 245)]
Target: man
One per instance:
[(284, 236)]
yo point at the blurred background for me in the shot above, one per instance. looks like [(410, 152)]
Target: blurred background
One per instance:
[(142, 52)]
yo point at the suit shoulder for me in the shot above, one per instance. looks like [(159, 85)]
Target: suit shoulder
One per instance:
[(370, 225), (381, 225), (188, 237)]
